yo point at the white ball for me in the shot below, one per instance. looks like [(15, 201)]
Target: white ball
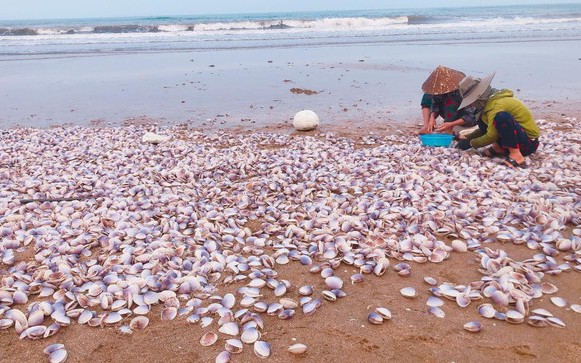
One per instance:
[(305, 120)]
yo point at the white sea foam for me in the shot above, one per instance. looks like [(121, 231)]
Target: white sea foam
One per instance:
[(281, 30), (173, 28)]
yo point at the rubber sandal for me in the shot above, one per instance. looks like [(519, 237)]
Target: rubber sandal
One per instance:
[(490, 153), (510, 162)]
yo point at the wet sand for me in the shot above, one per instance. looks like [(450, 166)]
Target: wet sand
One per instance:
[(358, 83)]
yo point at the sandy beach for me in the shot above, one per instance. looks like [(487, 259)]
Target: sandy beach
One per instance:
[(539, 211), (100, 228)]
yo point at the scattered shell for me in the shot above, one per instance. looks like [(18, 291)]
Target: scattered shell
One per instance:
[(375, 318), (139, 322), (125, 330), (311, 307), (58, 356), (169, 313), (459, 245), (436, 311), (559, 301), (548, 288), (434, 301), (19, 298), (329, 295), (537, 321), (356, 278), (542, 312), (297, 348), (515, 317), (306, 290), (228, 301), (554, 321), (261, 349), (499, 298), (430, 281), (250, 335), (53, 347), (463, 301), (208, 339), (487, 311), (334, 282), (408, 292), (112, 318), (36, 318), (234, 346), (385, 313), (223, 357), (473, 326)]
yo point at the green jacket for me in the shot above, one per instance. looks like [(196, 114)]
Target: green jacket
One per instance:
[(503, 101)]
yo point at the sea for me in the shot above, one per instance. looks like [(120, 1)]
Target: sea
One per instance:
[(62, 37)]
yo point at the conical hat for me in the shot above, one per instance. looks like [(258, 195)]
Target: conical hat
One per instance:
[(442, 80)]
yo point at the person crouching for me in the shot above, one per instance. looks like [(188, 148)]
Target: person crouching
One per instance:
[(505, 123)]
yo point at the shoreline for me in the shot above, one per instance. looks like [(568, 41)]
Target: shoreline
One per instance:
[(357, 83)]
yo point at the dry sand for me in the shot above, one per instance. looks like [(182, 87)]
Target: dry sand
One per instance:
[(339, 331)]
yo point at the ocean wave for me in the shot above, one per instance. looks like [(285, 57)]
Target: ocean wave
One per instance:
[(353, 23), (158, 25)]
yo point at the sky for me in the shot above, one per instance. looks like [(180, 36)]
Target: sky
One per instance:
[(60, 9)]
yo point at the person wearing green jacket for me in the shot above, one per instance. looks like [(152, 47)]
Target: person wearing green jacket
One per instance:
[(505, 123)]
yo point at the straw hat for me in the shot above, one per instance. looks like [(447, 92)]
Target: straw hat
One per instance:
[(472, 88), (442, 80)]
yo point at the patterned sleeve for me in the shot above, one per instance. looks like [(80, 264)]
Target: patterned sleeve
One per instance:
[(426, 101), (437, 105)]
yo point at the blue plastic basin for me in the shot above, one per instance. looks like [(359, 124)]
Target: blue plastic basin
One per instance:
[(436, 139)]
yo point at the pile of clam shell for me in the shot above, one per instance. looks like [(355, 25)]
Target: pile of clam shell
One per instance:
[(98, 227)]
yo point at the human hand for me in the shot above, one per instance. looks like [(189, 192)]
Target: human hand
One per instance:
[(463, 144), (445, 127)]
